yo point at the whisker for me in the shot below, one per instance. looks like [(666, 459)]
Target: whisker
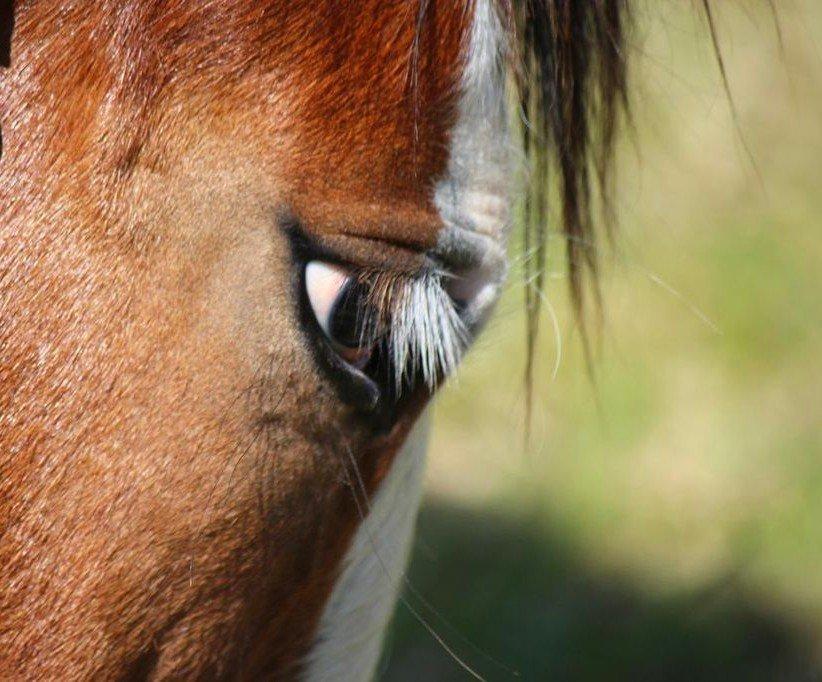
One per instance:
[(656, 279), (362, 509), (660, 282), (259, 375), (557, 334)]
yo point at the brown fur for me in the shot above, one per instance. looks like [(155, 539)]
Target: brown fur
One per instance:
[(173, 493), (174, 498)]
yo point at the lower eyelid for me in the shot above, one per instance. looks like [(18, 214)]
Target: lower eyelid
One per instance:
[(356, 357)]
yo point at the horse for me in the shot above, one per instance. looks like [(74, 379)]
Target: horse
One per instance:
[(242, 244)]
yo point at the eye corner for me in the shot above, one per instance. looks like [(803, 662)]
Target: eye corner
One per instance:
[(324, 283), (352, 382)]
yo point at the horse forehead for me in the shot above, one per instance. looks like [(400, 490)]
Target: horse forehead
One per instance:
[(373, 104), (354, 91), (355, 102), (391, 124)]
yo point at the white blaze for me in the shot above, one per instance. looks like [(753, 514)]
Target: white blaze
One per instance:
[(473, 200), (353, 624)]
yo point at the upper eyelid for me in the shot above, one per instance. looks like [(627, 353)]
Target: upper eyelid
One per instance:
[(354, 251)]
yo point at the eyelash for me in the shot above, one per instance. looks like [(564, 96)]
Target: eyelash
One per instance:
[(415, 336), (403, 330)]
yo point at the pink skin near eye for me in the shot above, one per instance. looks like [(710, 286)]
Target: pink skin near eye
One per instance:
[(324, 282)]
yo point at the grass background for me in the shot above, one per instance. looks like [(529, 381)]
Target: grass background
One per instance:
[(667, 522)]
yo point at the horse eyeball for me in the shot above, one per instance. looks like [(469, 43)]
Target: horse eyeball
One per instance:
[(339, 303)]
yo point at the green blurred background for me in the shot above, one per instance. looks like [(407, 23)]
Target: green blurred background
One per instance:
[(666, 523)]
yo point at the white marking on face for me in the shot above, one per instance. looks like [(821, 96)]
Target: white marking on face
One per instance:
[(474, 203), (352, 627), (474, 199)]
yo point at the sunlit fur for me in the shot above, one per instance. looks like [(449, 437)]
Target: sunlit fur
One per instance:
[(172, 497), (175, 466)]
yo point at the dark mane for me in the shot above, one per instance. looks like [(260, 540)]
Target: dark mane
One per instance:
[(572, 80), (571, 62)]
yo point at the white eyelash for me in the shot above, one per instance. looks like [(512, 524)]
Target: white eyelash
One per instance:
[(424, 330)]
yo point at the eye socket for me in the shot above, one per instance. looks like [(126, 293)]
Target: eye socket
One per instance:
[(339, 303)]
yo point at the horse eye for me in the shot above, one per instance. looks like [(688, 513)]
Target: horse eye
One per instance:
[(338, 301)]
